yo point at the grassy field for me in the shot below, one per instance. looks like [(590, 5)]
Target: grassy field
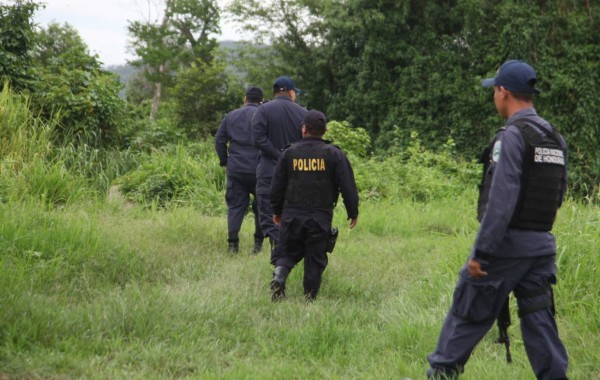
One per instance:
[(106, 291)]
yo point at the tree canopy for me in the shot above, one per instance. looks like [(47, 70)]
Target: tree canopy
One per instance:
[(398, 66)]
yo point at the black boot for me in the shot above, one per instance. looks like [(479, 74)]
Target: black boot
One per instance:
[(278, 283), (258, 242), (234, 246)]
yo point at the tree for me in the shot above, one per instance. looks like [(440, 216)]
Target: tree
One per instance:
[(204, 93), (16, 41), (181, 37), (398, 66), (72, 83)]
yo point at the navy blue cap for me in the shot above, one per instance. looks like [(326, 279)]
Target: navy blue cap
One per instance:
[(254, 92), (284, 84), (315, 119), (515, 76)]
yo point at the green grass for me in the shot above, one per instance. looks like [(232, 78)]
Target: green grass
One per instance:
[(104, 291)]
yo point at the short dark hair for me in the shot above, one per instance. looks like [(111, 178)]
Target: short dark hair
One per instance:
[(254, 94), (254, 99), (522, 96)]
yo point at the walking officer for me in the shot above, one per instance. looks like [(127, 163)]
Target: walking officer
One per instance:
[(308, 179), (522, 187), (275, 125), (241, 161)]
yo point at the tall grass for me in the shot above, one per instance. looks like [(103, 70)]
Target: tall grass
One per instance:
[(98, 291), (107, 289), (29, 167)]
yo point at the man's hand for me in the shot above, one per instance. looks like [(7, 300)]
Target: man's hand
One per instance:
[(474, 268), (277, 220), (353, 222)]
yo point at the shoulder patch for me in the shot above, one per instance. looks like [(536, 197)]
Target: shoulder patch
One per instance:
[(496, 151)]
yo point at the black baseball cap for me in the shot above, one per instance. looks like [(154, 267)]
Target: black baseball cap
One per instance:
[(515, 76), (254, 92), (284, 84), (315, 119)]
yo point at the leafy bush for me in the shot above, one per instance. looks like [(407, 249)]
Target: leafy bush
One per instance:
[(17, 31), (72, 86), (351, 140), (141, 133), (415, 173), (178, 175)]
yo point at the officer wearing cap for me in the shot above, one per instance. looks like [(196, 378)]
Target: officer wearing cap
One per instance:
[(275, 125), (241, 160), (523, 185), (308, 178)]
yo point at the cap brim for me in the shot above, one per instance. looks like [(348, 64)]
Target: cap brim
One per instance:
[(489, 82), (299, 91)]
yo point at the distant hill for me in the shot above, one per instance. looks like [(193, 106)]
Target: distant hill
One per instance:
[(127, 71)]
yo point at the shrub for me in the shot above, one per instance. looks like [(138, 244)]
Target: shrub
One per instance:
[(352, 140), (175, 175), (415, 173)]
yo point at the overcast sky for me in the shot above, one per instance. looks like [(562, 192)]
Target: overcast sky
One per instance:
[(103, 23)]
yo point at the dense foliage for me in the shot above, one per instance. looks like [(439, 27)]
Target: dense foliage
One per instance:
[(17, 38), (403, 71), (394, 67)]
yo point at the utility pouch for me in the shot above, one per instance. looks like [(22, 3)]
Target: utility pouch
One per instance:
[(333, 234), (475, 300)]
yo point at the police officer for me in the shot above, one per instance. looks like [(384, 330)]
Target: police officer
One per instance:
[(523, 185), (308, 178), (241, 161), (275, 125)]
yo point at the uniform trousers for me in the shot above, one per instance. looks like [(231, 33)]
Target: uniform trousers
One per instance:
[(476, 305), (263, 194), (304, 238), (237, 197)]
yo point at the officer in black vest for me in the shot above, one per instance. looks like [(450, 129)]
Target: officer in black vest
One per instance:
[(241, 160), (308, 179), (523, 185)]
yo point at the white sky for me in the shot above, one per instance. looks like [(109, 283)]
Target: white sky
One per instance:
[(103, 23)]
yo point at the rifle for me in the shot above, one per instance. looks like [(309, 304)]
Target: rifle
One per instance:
[(503, 323)]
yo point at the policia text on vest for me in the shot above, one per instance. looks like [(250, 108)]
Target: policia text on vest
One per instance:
[(308, 164)]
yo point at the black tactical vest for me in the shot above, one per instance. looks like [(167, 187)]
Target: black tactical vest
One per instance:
[(310, 177), (542, 175)]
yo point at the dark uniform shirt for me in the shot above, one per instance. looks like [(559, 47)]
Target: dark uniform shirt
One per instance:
[(495, 237), (275, 125), (343, 179), (235, 128)]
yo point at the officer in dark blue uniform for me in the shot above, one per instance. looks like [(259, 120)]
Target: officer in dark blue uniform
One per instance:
[(308, 179), (523, 185), (241, 161), (275, 125)]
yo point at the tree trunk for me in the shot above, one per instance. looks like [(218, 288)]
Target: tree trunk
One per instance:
[(161, 68), (155, 101), (157, 94)]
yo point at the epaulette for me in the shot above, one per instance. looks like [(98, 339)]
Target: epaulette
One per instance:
[(287, 146)]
